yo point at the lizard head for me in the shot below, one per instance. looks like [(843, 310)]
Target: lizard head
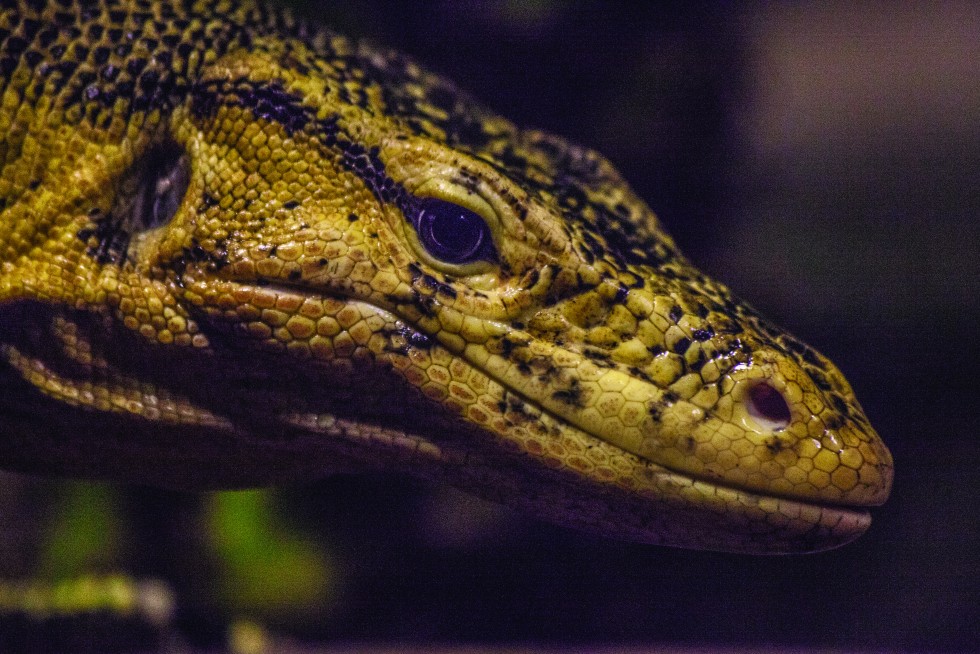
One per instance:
[(323, 256)]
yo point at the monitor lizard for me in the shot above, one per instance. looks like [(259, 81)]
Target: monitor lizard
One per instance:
[(238, 250)]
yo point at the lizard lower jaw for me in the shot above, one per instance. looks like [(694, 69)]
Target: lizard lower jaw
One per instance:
[(640, 501)]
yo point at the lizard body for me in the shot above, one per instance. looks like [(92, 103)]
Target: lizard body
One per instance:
[(235, 251)]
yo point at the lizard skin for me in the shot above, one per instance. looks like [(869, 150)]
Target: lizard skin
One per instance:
[(224, 265)]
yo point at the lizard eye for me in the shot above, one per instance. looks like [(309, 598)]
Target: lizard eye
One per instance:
[(165, 182), (451, 233)]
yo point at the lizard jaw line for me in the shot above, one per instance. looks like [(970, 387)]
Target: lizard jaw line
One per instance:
[(286, 288)]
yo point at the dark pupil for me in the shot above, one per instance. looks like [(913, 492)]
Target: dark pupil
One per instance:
[(452, 233)]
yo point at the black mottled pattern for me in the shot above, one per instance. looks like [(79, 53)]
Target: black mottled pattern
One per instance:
[(107, 242), (137, 55), (269, 101), (111, 63)]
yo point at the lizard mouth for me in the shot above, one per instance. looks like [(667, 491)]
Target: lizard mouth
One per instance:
[(639, 498)]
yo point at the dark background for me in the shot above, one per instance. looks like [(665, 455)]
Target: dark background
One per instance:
[(820, 159)]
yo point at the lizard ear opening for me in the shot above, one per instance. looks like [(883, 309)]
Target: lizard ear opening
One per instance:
[(162, 185)]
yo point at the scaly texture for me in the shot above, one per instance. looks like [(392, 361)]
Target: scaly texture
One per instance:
[(220, 268)]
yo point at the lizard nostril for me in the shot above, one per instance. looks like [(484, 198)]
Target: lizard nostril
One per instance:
[(767, 407)]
